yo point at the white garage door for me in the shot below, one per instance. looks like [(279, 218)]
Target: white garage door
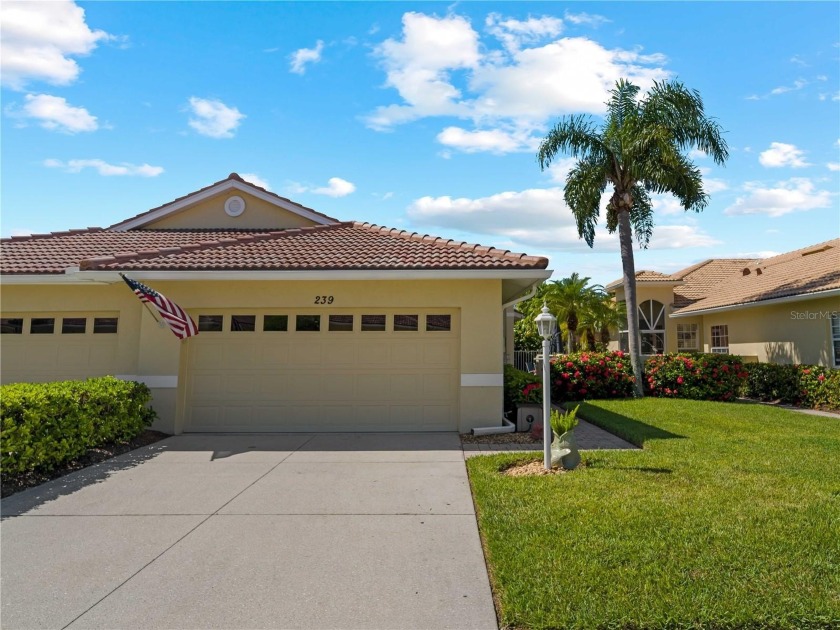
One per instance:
[(338, 370)]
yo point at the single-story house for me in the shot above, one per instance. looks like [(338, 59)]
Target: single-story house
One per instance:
[(306, 323), (783, 309)]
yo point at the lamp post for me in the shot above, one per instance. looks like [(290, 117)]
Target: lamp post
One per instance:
[(546, 325)]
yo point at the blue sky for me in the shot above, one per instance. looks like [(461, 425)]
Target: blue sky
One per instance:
[(421, 116)]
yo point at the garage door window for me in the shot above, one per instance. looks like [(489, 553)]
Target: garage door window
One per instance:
[(438, 323), (104, 325), (73, 326), (373, 322), (210, 323), (11, 326), (405, 323), (341, 323), (42, 326), (307, 323), (243, 323), (276, 323)]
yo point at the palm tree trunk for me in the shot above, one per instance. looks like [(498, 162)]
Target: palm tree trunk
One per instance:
[(625, 239)]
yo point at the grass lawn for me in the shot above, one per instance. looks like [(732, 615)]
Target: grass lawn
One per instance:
[(729, 518)]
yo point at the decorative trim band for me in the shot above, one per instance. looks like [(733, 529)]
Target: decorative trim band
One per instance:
[(482, 380), (153, 382)]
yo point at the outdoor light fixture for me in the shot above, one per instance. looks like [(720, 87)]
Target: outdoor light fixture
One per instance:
[(546, 326)]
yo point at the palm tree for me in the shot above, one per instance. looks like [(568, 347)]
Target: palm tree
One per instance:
[(640, 148), (599, 316), (567, 299)]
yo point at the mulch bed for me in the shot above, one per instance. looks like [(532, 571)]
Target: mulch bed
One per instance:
[(500, 438), (15, 483)]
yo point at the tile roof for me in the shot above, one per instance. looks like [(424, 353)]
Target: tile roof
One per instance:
[(643, 276), (339, 246), (231, 177), (800, 272), (699, 278)]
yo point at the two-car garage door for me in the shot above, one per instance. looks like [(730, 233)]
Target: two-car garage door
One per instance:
[(333, 370)]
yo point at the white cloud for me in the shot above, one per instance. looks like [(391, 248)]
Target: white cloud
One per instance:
[(38, 40), (214, 119), (589, 19), (256, 180), (56, 114), (303, 56), (560, 168), (534, 218), (712, 185), (833, 166), (797, 85), (780, 154), (336, 187), (497, 141), (103, 168), (793, 195), (514, 33)]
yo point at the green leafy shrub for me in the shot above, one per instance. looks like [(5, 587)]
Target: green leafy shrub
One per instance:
[(802, 385), (591, 375), (695, 376), (521, 388), (47, 424)]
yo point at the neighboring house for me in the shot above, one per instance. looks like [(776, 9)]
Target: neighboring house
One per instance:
[(306, 323), (784, 309)]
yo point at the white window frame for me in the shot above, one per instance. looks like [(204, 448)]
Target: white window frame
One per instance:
[(717, 336), (648, 324), (693, 331), (834, 328)]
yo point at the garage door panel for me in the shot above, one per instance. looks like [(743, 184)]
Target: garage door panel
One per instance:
[(323, 381)]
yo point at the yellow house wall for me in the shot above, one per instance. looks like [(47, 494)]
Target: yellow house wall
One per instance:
[(210, 213), (792, 332), (146, 350)]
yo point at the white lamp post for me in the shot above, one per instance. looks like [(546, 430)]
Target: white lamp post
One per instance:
[(546, 325)]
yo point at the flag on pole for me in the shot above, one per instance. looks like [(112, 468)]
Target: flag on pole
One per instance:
[(175, 317)]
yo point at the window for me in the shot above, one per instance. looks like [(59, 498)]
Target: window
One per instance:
[(307, 323), (687, 337), (104, 325), (42, 326), (276, 323), (652, 327), (243, 323), (720, 339), (373, 322), (406, 322), (438, 323), (73, 326), (11, 326), (835, 337), (339, 323), (210, 323)]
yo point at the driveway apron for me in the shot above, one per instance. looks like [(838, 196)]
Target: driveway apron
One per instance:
[(372, 530)]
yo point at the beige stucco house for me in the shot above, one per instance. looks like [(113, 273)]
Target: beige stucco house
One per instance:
[(305, 323), (784, 309)]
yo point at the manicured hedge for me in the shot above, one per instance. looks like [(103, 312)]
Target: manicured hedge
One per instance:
[(591, 375), (802, 385), (696, 376), (47, 424)]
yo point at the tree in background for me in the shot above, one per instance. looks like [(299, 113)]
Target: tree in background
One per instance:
[(640, 148)]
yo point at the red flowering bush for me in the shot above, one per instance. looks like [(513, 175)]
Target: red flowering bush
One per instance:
[(802, 385), (695, 376), (591, 375), (521, 388)]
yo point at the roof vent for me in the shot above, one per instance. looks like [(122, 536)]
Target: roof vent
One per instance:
[(234, 206), (758, 272), (745, 271), (816, 250)]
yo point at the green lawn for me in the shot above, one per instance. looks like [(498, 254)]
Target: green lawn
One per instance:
[(729, 518)]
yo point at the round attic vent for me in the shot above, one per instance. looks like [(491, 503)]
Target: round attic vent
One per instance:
[(235, 206)]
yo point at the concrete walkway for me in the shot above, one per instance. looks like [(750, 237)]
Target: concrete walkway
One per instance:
[(252, 531), (588, 436)]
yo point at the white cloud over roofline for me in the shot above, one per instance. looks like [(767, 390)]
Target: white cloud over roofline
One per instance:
[(299, 59), (212, 118), (796, 194), (39, 40), (104, 168), (781, 154), (56, 114)]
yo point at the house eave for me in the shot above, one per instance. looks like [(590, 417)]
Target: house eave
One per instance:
[(801, 297)]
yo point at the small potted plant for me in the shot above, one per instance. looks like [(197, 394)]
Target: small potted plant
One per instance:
[(564, 450)]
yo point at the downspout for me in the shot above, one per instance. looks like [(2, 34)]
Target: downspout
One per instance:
[(507, 425)]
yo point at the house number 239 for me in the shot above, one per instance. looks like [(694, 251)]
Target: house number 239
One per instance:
[(324, 299)]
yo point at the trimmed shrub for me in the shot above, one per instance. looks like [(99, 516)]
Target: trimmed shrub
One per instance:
[(590, 375), (695, 376), (521, 387), (47, 424), (802, 385)]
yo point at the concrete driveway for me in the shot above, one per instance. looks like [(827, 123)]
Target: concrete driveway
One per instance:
[(252, 531)]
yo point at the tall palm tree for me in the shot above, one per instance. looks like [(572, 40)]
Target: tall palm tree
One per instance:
[(567, 299), (599, 316), (639, 148)]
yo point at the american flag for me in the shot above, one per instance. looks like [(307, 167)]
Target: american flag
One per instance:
[(175, 317)]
